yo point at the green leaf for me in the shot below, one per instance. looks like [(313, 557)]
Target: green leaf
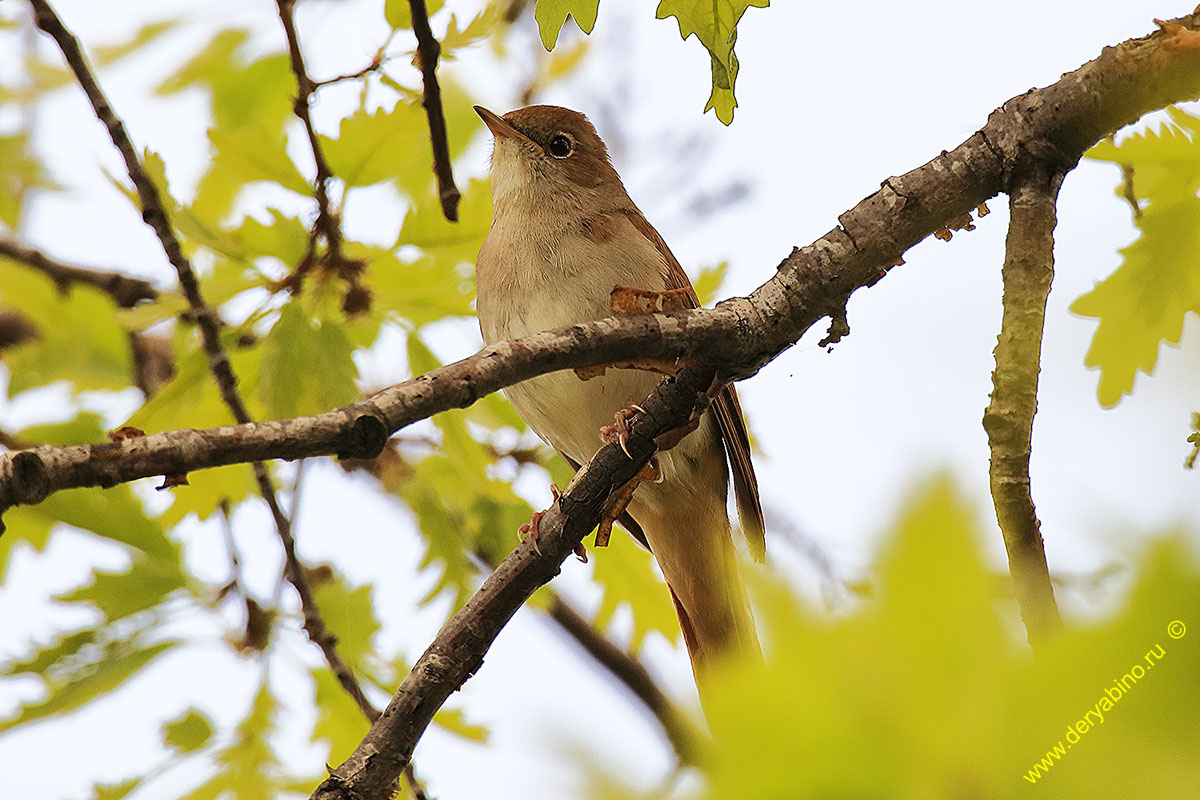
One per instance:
[(925, 684), (78, 337), (451, 243), (20, 171), (113, 668), (714, 23), (420, 291), (455, 721), (307, 366), (107, 55), (627, 574), (380, 145), (115, 791), (349, 613), (188, 733), (113, 513), (480, 27), (551, 14), (54, 654), (398, 13), (1144, 302), (248, 769), (340, 722), (145, 584), (241, 157), (256, 93)]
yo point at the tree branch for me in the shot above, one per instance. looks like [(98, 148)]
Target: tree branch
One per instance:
[(739, 336), (326, 223), (457, 652), (1028, 272), (124, 290), (428, 51)]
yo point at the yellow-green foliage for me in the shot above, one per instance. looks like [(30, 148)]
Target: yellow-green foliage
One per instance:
[(926, 689)]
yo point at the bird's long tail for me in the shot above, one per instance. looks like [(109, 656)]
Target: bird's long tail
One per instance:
[(695, 551)]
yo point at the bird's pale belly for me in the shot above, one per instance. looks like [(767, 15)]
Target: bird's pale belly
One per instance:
[(568, 412)]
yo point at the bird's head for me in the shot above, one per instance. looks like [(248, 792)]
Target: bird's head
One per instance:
[(549, 157)]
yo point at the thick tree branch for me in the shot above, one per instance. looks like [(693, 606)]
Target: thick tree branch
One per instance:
[(1028, 271), (1057, 124), (457, 652), (739, 336), (458, 649), (428, 51), (124, 290)]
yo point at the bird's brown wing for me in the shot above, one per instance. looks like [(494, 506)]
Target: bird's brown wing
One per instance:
[(726, 407)]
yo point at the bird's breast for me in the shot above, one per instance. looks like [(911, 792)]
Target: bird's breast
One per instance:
[(533, 277)]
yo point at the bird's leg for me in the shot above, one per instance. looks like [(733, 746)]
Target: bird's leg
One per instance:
[(619, 500), (530, 528)]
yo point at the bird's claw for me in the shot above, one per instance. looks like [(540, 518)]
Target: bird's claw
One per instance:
[(619, 430), (530, 529)]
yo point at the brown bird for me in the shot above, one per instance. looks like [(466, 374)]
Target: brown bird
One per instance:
[(564, 233)]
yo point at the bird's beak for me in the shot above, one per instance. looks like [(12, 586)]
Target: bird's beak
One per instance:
[(499, 128)]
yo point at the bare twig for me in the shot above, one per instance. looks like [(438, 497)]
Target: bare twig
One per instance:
[(683, 735), (428, 51), (1028, 271), (326, 222), (155, 215), (124, 290)]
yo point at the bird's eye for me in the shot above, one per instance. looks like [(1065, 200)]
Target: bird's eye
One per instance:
[(560, 146)]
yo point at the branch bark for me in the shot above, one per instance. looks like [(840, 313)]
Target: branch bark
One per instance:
[(1028, 271), (428, 52), (739, 336), (373, 768)]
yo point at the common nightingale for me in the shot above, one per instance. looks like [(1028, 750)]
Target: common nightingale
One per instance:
[(564, 233)]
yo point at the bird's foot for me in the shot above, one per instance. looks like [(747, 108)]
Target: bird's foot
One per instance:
[(530, 529), (619, 431)]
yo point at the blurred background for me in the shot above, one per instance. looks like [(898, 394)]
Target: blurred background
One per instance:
[(833, 99)]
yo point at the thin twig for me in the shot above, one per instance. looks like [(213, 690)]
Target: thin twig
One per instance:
[(155, 215), (124, 290), (428, 51), (326, 223), (684, 736), (1028, 272)]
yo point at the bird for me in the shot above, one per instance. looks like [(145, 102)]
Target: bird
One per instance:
[(564, 234)]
